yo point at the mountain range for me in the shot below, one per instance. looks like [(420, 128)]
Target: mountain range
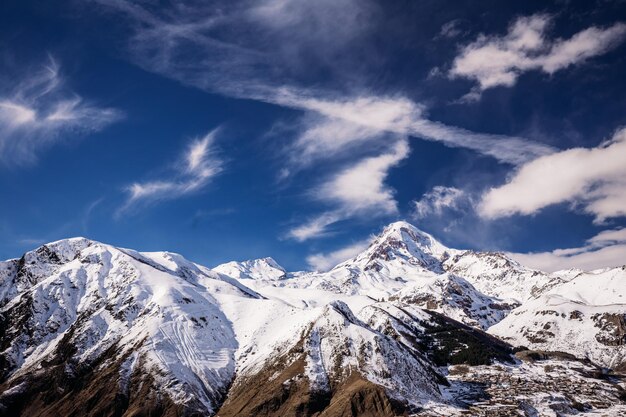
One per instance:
[(407, 327)]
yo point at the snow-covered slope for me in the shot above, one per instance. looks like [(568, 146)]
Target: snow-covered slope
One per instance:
[(555, 323), (456, 298), (333, 355), (82, 301), (600, 287), (499, 276), (80, 310), (402, 254), (585, 317), (264, 268), (400, 248)]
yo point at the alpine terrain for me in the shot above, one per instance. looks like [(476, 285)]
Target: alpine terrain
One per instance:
[(407, 327)]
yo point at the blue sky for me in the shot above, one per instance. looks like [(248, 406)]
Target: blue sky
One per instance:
[(293, 129)]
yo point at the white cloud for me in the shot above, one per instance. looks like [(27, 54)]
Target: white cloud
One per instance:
[(321, 137), (342, 125), (240, 44), (38, 111), (258, 64), (451, 29), (606, 249), (439, 199), (326, 261), (323, 21), (315, 227), (333, 128), (609, 236), (592, 178), (355, 191), (401, 116), (362, 186), (193, 172), (499, 60), (266, 62)]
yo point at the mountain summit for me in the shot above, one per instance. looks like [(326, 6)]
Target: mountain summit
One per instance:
[(264, 268), (402, 245)]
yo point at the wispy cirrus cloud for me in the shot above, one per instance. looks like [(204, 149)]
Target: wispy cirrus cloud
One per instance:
[(368, 115), (192, 172), (357, 190), (594, 179), (493, 60), (267, 62), (362, 186), (440, 199), (39, 110), (319, 137), (332, 129), (316, 227), (606, 249)]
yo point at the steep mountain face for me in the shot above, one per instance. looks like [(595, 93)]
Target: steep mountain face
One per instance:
[(85, 305), (336, 360), (400, 248), (87, 326), (403, 251), (456, 298), (265, 269), (496, 274), (585, 317)]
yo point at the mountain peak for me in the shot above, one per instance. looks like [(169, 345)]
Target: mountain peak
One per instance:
[(402, 242), (263, 268), (269, 261), (59, 251), (405, 230), (401, 224)]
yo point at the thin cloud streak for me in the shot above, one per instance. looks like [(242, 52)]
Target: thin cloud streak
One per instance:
[(316, 227), (402, 116), (197, 166), (606, 249), (39, 111), (438, 200), (335, 123)]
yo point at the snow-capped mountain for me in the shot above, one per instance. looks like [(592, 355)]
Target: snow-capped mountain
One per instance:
[(585, 317), (403, 253), (456, 298), (407, 264), (264, 268), (86, 304), (85, 325), (496, 274)]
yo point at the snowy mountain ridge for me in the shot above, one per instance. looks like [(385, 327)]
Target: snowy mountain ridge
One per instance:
[(154, 332)]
